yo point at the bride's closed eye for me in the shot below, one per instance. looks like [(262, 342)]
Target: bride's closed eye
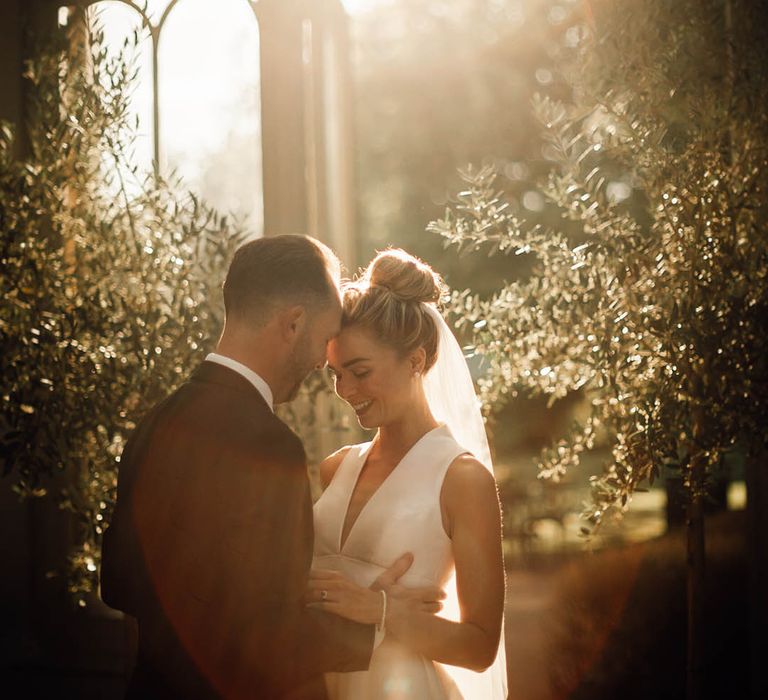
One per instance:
[(335, 376)]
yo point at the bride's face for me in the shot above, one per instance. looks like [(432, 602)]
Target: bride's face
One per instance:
[(371, 376)]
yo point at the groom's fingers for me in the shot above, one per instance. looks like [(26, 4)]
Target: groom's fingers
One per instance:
[(429, 594), (434, 594), (426, 594), (432, 608)]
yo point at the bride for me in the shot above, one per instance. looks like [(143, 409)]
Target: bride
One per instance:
[(424, 484)]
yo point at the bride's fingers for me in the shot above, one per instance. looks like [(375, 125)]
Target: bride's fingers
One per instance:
[(393, 573), (319, 595), (315, 588), (331, 581), (331, 588), (342, 609), (331, 606), (324, 575)]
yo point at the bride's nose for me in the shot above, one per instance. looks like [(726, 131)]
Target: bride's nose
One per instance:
[(341, 387)]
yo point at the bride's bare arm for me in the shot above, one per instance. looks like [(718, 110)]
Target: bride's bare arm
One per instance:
[(330, 464), (472, 518)]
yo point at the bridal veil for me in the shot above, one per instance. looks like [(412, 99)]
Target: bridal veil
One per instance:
[(453, 401)]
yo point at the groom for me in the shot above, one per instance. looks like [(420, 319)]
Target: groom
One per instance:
[(211, 539)]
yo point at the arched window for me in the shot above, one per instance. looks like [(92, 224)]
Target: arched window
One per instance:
[(197, 96), (249, 101)]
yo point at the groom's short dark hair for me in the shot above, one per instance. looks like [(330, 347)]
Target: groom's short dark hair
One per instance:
[(287, 268)]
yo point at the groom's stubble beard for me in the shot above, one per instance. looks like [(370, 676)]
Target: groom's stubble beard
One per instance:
[(299, 366)]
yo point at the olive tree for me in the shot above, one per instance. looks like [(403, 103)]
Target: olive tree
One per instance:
[(655, 311), (110, 284)]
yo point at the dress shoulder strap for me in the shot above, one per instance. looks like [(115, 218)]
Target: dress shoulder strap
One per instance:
[(349, 466), (443, 450)]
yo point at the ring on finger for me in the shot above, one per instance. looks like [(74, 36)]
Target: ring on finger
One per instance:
[(323, 595)]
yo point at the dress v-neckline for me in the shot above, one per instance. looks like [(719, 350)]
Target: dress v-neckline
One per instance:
[(362, 460)]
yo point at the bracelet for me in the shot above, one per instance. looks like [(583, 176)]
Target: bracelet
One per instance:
[(380, 626)]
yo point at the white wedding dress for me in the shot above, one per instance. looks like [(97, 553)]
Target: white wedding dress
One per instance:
[(403, 515)]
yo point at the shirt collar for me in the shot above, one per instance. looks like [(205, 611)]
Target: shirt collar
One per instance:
[(261, 386)]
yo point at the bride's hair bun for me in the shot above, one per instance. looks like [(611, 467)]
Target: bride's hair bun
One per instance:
[(387, 299), (407, 277)]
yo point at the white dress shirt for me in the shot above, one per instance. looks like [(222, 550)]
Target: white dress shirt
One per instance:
[(261, 386)]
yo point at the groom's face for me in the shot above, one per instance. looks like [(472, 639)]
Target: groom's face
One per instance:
[(310, 351)]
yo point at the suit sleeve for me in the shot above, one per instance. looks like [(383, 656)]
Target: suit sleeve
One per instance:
[(120, 577)]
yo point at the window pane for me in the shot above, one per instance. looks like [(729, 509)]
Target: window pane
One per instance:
[(210, 114), (119, 22)]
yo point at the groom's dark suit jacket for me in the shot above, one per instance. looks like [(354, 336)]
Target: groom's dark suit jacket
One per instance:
[(210, 547)]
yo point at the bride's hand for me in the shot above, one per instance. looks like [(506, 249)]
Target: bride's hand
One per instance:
[(330, 591)]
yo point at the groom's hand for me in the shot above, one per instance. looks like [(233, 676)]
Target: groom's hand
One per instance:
[(424, 599)]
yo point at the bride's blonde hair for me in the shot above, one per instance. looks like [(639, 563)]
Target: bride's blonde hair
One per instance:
[(387, 300)]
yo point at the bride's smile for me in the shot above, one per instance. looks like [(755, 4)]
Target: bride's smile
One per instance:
[(375, 380), (361, 408)]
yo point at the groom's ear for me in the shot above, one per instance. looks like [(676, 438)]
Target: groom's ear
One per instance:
[(292, 322)]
